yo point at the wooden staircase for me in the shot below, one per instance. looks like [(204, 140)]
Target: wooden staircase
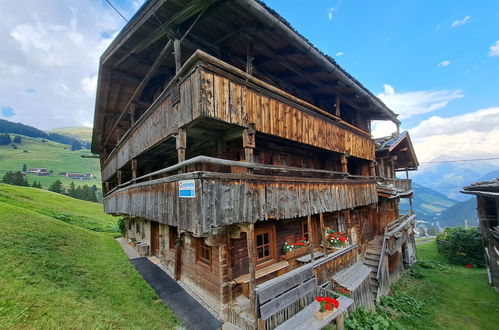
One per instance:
[(371, 259)]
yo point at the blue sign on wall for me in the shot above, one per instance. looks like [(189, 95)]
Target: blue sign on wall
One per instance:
[(187, 189)]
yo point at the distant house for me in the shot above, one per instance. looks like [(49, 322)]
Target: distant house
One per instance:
[(38, 171), (78, 176), (487, 198)]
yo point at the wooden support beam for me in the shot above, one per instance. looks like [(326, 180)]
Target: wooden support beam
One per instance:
[(133, 113), (249, 143), (181, 144), (337, 106), (310, 236), (177, 270), (134, 168), (372, 170), (177, 54), (322, 228), (119, 177), (249, 57), (250, 241), (138, 91), (106, 187), (344, 163)]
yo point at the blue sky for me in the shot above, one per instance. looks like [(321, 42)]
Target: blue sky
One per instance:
[(436, 63)]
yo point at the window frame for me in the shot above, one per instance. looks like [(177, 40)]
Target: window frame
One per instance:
[(263, 262), (200, 247)]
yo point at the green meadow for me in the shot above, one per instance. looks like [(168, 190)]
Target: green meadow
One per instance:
[(57, 274)]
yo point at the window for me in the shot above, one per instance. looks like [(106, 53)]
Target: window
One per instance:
[(341, 224), (172, 236), (264, 245), (203, 252)]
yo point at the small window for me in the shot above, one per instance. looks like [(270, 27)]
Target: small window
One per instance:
[(172, 236), (341, 224), (264, 250), (203, 252)]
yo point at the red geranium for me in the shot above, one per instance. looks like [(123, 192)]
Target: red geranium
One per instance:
[(469, 266), (319, 299), (328, 307)]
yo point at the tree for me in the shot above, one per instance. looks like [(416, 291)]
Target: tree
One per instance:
[(15, 178), (17, 139), (461, 246), (75, 145), (25, 168), (57, 187), (72, 190), (5, 139)]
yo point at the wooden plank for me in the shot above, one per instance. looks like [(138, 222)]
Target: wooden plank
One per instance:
[(286, 299), (305, 319), (262, 272), (282, 284)]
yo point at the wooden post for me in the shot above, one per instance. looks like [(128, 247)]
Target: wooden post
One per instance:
[(177, 270), (249, 143), (249, 57), (177, 55), (106, 187), (340, 324), (181, 144), (310, 237), (323, 233), (250, 241), (410, 202), (372, 170), (134, 168), (344, 163), (406, 173), (119, 177), (133, 111), (337, 105), (398, 128)]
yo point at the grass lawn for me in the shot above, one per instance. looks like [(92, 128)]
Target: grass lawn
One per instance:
[(57, 275), (77, 212), (454, 297)]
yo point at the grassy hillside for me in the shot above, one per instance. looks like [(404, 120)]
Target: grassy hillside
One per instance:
[(81, 132), (427, 202), (51, 155), (77, 212), (453, 297), (56, 275)]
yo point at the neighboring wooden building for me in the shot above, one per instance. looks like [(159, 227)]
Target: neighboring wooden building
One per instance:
[(487, 197), (246, 138)]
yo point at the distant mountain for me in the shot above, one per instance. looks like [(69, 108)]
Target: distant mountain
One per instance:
[(458, 213), (427, 202), (83, 133), (450, 178)]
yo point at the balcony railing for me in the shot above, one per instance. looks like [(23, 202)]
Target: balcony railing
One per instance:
[(404, 185), (209, 88)]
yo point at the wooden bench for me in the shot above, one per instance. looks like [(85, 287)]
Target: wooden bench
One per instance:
[(293, 293), (279, 267)]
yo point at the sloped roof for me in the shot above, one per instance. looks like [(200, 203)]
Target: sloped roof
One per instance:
[(398, 144), (491, 186), (224, 27)]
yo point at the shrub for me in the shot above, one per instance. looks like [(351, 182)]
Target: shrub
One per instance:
[(461, 246), (402, 304), (361, 318), (122, 226)]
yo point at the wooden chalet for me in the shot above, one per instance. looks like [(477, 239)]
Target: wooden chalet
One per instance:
[(223, 134), (487, 197)]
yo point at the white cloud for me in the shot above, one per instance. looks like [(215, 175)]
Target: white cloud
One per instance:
[(380, 128), (339, 54), (444, 63), (50, 57), (330, 12), (494, 49), (409, 104), (456, 23), (467, 136)]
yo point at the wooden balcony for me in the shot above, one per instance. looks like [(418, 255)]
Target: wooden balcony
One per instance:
[(401, 184), (222, 199), (209, 88)]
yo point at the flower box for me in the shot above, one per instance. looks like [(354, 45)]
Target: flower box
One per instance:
[(295, 253), (323, 315)]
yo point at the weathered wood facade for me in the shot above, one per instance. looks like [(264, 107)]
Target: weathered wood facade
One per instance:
[(487, 198), (244, 140)]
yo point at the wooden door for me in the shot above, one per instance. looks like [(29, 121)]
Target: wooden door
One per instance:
[(154, 238)]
